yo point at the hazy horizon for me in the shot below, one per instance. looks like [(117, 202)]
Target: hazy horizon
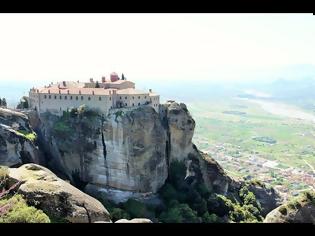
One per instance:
[(165, 52)]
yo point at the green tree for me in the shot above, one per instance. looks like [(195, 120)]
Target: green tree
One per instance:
[(4, 102), (177, 174), (19, 212), (118, 214), (168, 193), (219, 204), (97, 85), (136, 209), (180, 213), (210, 218), (122, 76), (23, 103)]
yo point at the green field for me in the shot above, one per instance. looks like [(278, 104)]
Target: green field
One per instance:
[(234, 123)]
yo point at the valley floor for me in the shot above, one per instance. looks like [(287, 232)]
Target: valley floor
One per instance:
[(269, 141)]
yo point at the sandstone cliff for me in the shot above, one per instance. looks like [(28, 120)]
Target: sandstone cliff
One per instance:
[(16, 139), (128, 153)]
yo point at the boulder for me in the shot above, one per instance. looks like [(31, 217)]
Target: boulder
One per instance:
[(300, 209), (57, 198), (135, 220)]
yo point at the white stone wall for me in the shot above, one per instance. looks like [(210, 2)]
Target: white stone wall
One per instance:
[(133, 100), (47, 102), (54, 104), (155, 102)]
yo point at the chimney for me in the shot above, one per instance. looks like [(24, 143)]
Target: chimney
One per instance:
[(103, 79), (59, 91), (91, 80), (110, 92), (49, 91), (80, 92), (68, 91), (64, 83), (92, 92)]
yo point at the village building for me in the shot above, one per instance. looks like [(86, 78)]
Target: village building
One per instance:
[(112, 93)]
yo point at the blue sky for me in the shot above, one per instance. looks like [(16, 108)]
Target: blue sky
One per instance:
[(38, 48)]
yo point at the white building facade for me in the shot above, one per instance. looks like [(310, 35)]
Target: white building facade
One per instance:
[(107, 95)]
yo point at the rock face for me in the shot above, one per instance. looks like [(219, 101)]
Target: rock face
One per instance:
[(129, 150), (268, 198), (299, 210), (128, 153), (15, 147), (179, 127), (55, 197), (123, 151)]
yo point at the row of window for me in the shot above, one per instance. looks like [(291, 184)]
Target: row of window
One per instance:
[(71, 97), (145, 97), (89, 98)]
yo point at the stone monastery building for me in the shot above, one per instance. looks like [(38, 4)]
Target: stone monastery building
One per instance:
[(105, 96)]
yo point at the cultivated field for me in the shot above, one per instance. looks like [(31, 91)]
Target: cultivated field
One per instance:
[(255, 140)]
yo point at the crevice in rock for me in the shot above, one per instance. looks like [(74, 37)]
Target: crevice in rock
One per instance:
[(105, 160), (87, 213)]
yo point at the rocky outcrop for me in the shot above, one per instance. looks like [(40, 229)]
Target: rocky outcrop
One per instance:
[(57, 198), (179, 127), (135, 220), (298, 210), (127, 154), (268, 198), (124, 151), (16, 148)]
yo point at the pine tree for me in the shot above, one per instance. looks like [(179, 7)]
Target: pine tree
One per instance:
[(0, 102), (4, 102), (97, 84), (122, 76)]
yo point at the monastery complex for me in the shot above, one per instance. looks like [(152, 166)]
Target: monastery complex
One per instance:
[(108, 94)]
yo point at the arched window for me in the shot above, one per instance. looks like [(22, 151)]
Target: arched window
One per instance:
[(133, 104), (55, 97), (139, 104), (89, 98), (125, 104), (65, 97), (70, 97), (45, 96), (133, 97), (120, 97), (145, 97), (60, 97), (49, 96), (99, 98), (110, 98), (81, 97), (76, 98), (139, 97), (125, 97)]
